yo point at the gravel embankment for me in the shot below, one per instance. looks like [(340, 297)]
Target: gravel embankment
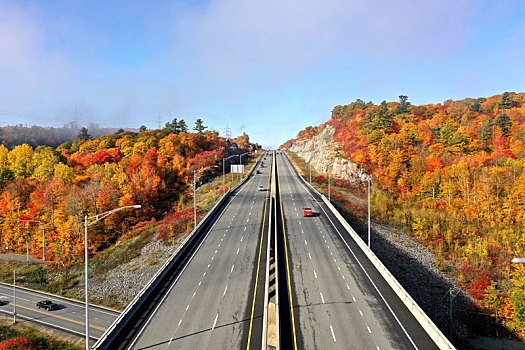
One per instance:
[(121, 284)]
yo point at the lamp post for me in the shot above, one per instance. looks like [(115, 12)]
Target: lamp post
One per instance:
[(368, 212), (329, 185), (195, 193), (43, 223), (240, 160), (96, 218), (14, 292), (223, 174)]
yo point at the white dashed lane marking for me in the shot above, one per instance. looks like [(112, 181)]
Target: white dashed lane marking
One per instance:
[(333, 335)]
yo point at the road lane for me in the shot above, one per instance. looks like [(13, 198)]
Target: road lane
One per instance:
[(69, 317), (334, 301), (210, 304)]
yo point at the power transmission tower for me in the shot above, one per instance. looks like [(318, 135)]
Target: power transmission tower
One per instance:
[(227, 132)]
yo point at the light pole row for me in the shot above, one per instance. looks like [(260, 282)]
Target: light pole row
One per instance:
[(195, 192)]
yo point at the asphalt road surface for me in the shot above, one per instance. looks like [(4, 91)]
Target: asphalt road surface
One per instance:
[(336, 304), (69, 317), (212, 304)]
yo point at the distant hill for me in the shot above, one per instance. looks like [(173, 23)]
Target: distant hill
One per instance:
[(11, 136)]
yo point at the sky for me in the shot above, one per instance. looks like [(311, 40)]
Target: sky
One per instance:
[(268, 68)]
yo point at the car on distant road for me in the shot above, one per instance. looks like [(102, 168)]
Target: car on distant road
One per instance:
[(47, 305), (307, 211), (258, 172), (4, 302), (260, 188)]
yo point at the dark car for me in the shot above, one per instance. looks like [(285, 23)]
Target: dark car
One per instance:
[(47, 305), (257, 172), (3, 302)]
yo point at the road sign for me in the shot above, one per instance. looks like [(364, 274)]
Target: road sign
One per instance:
[(237, 168)]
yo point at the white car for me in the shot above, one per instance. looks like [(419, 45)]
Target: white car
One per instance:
[(260, 188)]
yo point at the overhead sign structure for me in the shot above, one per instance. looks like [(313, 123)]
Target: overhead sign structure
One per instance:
[(237, 168)]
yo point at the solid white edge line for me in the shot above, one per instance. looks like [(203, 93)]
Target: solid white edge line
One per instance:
[(362, 268), (180, 274)]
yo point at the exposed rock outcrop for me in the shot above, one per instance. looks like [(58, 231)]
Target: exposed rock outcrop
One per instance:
[(322, 153)]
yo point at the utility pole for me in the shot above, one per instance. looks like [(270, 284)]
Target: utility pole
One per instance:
[(368, 212), (329, 185), (310, 173)]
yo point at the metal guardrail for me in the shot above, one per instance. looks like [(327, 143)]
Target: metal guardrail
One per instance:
[(426, 323), (270, 334), (105, 341)]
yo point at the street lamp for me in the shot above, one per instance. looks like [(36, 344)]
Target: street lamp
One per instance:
[(329, 185), (240, 160), (43, 223), (223, 175), (195, 194), (14, 292), (96, 218), (368, 180)]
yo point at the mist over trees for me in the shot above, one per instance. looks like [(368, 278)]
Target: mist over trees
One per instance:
[(11, 136)]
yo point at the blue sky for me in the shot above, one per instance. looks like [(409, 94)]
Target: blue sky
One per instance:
[(268, 68)]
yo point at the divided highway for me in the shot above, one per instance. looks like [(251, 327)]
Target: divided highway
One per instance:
[(339, 299), (69, 317), (214, 302)]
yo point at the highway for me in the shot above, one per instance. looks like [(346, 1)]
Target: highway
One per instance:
[(69, 317), (214, 302), (339, 299)]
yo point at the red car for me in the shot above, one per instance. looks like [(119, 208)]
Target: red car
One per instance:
[(307, 211)]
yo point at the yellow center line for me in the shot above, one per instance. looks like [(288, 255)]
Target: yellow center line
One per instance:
[(60, 317), (258, 263), (287, 266)]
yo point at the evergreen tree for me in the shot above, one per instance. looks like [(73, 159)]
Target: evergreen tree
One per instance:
[(403, 105), (505, 102), (84, 134), (369, 122), (143, 128), (487, 132), (173, 127), (199, 126), (475, 107), (119, 131), (384, 118), (182, 127), (504, 122)]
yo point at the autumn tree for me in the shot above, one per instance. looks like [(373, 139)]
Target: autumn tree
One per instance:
[(20, 160)]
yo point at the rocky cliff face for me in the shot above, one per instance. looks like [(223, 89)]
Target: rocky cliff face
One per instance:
[(322, 153)]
